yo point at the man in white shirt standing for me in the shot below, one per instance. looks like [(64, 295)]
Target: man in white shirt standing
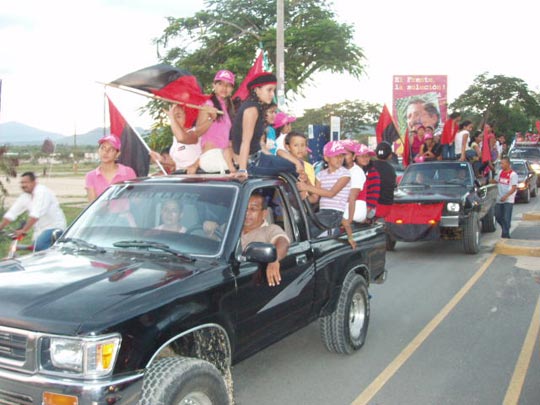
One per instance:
[(44, 212)]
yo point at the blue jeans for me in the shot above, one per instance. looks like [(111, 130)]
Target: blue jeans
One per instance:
[(44, 240), (448, 152), (270, 165), (503, 215)]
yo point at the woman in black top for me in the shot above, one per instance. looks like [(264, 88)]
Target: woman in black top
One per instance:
[(248, 128)]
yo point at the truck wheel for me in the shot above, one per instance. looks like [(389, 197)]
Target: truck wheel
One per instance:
[(471, 234), (390, 243), (527, 196), (344, 331), (183, 380), (488, 222)]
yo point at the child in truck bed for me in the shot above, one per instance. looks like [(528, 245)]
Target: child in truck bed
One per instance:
[(331, 189)]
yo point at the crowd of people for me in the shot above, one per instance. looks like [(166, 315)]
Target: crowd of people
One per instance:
[(254, 138)]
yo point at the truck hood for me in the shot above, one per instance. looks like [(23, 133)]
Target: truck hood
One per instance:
[(407, 194), (69, 293)]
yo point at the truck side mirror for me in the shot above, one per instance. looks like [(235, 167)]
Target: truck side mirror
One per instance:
[(260, 252), (56, 234)]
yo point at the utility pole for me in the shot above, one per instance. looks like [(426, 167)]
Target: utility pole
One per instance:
[(280, 53)]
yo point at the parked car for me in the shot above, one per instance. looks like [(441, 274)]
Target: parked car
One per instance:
[(442, 200), (529, 151), (527, 177), (122, 310)]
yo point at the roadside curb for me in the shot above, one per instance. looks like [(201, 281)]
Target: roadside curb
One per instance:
[(517, 247), (531, 216)]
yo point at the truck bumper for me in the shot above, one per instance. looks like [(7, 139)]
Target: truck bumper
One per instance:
[(20, 389), (450, 221)]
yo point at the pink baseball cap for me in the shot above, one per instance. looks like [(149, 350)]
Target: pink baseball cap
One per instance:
[(428, 136), (224, 76), (361, 149), (283, 119), (113, 140), (350, 145), (334, 148)]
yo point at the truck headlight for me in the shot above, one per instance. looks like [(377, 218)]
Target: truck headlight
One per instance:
[(80, 357), (521, 186), (452, 207)]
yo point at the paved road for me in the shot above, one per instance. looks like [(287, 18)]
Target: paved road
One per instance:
[(446, 328)]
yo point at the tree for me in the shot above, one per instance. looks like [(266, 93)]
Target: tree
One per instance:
[(226, 34), (355, 116), (504, 101)]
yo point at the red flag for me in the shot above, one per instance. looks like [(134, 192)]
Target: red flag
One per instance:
[(449, 132), (169, 82), (486, 152), (242, 92), (537, 122), (386, 128), (133, 151), (406, 157)]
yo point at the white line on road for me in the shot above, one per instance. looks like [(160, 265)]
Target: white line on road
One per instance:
[(406, 353), (522, 365)]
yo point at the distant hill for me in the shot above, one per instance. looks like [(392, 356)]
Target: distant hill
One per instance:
[(15, 133)]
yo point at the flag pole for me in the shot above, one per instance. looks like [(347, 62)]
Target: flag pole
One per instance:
[(143, 142), (154, 96)]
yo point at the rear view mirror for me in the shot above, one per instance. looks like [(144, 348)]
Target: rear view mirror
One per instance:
[(259, 252)]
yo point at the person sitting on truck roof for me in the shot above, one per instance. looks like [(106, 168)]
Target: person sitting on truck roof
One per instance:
[(256, 229)]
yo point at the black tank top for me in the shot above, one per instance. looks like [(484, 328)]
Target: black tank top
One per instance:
[(236, 130)]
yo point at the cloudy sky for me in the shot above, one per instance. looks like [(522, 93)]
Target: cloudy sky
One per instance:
[(54, 53)]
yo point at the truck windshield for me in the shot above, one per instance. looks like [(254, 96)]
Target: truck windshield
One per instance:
[(437, 174), (191, 219)]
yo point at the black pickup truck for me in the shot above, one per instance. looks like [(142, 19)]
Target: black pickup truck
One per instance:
[(442, 200), (122, 311)]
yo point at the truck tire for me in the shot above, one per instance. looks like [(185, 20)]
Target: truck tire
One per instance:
[(390, 243), (344, 331), (488, 222), (183, 380), (471, 234), (527, 196)]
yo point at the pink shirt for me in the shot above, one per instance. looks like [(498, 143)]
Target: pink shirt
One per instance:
[(218, 133), (94, 179)]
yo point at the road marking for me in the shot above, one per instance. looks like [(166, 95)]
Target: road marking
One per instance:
[(406, 353), (522, 365)]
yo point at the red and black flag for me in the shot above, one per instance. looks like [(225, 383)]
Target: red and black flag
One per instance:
[(406, 157), (133, 152), (386, 129), (170, 84), (413, 221), (242, 93)]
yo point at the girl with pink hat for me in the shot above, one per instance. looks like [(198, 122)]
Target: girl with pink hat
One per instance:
[(108, 171), (214, 125), (331, 190)]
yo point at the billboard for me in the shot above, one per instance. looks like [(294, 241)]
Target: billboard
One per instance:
[(419, 99)]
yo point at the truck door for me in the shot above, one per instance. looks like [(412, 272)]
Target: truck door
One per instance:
[(267, 313)]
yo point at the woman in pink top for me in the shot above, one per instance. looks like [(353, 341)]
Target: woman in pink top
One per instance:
[(108, 171), (214, 128)]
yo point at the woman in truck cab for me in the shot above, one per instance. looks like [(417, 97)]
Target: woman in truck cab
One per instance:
[(170, 215)]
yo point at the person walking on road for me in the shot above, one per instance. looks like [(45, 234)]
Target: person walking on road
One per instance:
[(44, 212), (507, 181)]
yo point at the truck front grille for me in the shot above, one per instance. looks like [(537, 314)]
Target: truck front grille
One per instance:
[(10, 398), (12, 346)]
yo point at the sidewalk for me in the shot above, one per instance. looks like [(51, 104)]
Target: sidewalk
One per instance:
[(66, 189), (525, 238)]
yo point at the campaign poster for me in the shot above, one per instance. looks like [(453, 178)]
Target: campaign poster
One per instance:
[(419, 100)]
